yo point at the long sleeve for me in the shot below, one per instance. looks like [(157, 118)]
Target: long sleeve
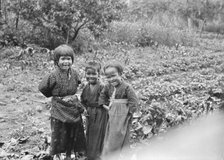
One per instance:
[(77, 77), (132, 99), (104, 96), (82, 97), (47, 84)]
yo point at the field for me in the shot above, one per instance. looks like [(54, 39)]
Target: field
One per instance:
[(174, 86)]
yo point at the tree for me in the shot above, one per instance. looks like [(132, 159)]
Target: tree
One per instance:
[(51, 22), (66, 18)]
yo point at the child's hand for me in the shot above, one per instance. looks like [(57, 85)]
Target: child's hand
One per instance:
[(67, 98), (70, 98), (106, 107), (85, 113)]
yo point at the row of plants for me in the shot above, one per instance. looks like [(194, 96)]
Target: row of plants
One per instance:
[(168, 97)]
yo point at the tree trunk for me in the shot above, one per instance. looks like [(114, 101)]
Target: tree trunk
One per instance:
[(0, 9), (75, 35), (1, 17), (17, 20), (190, 24), (18, 15), (202, 27), (76, 32), (78, 29), (5, 13), (67, 38)]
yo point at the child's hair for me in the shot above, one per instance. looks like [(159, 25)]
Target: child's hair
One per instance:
[(93, 65), (114, 64), (63, 50)]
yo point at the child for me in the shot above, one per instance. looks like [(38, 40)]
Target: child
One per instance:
[(120, 100), (66, 123), (97, 116)]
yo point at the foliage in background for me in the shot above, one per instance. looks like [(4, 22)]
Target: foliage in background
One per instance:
[(58, 21), (197, 9), (166, 22), (80, 23), (143, 34)]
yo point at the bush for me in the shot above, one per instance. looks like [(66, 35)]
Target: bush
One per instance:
[(123, 32), (12, 36), (44, 38), (148, 34), (83, 42), (214, 28)]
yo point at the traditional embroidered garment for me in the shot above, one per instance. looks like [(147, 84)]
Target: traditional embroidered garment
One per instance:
[(96, 121), (66, 122), (122, 106)]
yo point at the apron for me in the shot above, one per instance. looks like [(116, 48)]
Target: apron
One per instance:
[(117, 131)]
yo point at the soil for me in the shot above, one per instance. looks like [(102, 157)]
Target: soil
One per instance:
[(24, 115)]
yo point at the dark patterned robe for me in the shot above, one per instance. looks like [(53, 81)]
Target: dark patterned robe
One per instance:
[(96, 121), (120, 113), (66, 136)]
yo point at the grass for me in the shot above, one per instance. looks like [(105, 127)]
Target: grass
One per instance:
[(145, 33)]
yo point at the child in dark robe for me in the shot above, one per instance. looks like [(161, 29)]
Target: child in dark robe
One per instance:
[(66, 122), (97, 115), (120, 100)]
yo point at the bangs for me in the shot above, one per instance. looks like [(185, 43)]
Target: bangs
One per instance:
[(114, 64), (63, 50)]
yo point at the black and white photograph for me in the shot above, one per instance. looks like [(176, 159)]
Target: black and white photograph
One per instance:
[(111, 79)]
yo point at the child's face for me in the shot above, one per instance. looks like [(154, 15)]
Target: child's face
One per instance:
[(113, 76), (92, 76), (65, 62)]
